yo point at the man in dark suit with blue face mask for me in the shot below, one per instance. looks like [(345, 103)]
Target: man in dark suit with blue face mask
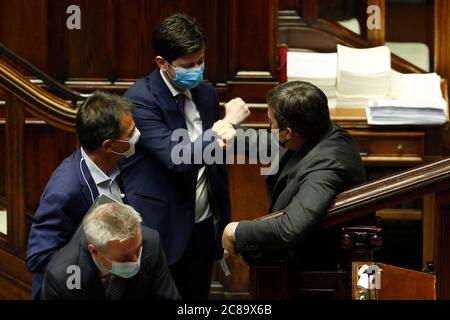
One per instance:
[(187, 203), (107, 133)]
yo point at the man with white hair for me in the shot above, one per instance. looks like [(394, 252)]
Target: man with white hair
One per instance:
[(113, 257)]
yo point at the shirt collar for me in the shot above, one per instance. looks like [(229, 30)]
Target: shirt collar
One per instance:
[(174, 91), (97, 174)]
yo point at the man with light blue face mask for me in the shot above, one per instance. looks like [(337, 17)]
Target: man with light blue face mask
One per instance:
[(187, 203), (114, 258)]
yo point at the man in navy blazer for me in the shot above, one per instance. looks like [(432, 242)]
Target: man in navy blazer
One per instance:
[(107, 133), (187, 203)]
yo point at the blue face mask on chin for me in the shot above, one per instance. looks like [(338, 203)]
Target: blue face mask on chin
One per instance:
[(188, 78)]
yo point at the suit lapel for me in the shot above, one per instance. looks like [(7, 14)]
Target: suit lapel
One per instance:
[(167, 101)]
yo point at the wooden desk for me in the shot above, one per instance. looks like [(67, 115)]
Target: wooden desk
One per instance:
[(397, 284)]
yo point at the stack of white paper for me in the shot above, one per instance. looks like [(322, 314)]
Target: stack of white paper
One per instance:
[(316, 68), (362, 75), (415, 86), (414, 99)]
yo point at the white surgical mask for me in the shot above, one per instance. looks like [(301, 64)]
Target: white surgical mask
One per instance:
[(125, 269), (132, 142)]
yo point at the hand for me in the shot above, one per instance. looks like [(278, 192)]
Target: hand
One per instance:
[(224, 132), (228, 241), (236, 111)]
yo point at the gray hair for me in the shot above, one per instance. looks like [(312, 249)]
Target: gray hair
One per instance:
[(109, 222)]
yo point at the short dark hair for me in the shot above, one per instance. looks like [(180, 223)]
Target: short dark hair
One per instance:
[(300, 106), (98, 119), (176, 36)]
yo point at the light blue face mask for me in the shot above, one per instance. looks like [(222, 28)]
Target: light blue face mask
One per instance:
[(188, 78), (125, 269)]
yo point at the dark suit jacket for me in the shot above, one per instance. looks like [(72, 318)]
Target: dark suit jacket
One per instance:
[(153, 280), (63, 204), (304, 187), (164, 193)]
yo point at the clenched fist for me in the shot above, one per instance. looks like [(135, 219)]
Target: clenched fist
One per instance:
[(236, 111)]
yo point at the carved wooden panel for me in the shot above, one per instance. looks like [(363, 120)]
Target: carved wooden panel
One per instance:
[(442, 246), (23, 28), (442, 37)]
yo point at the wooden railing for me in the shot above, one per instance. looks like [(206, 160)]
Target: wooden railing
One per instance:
[(27, 110), (53, 85), (348, 209), (38, 101)]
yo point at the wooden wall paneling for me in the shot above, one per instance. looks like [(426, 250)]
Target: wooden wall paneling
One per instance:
[(2, 150), (222, 52), (252, 45), (428, 233), (15, 279), (15, 128), (57, 39), (90, 54), (309, 10), (442, 38), (430, 30), (23, 26), (411, 22), (48, 147), (341, 9), (442, 53), (212, 17), (135, 21), (253, 40), (442, 245), (289, 5)]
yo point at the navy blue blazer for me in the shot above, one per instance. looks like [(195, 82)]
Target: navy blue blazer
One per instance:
[(63, 204), (164, 193)]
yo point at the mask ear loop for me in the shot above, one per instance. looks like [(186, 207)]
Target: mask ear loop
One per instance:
[(84, 177)]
